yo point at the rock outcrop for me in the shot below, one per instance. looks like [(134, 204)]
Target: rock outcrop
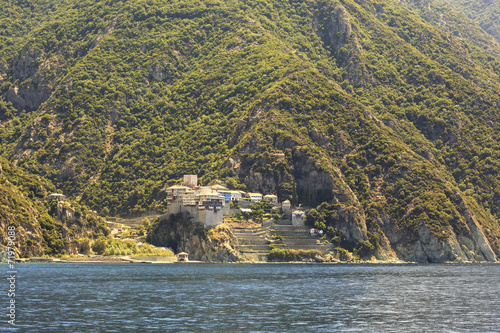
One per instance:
[(470, 244), (78, 227), (180, 233), (334, 27), (32, 69)]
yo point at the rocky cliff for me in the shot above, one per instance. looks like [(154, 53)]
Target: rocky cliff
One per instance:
[(181, 234), (35, 75)]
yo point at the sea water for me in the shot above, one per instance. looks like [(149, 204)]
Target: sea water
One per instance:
[(88, 297)]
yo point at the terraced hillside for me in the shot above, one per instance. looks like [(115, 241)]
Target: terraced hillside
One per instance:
[(252, 241), (297, 238)]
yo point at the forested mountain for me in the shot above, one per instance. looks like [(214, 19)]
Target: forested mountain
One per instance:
[(382, 114), (452, 17), (485, 13)]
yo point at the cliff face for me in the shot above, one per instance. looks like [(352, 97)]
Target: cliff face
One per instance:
[(426, 247), (77, 227), (333, 25), (36, 75), (20, 207), (427, 221), (21, 212), (460, 237), (181, 234)]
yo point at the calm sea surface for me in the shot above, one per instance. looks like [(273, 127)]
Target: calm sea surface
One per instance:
[(60, 297)]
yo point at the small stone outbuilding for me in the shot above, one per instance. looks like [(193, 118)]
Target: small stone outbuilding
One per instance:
[(182, 257), (55, 196), (298, 217)]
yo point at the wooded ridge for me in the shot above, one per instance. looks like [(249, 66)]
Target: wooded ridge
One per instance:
[(380, 114)]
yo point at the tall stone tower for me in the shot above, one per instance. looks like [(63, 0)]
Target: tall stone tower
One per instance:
[(190, 180)]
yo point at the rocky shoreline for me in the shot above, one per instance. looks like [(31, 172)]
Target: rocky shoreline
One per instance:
[(172, 260), (100, 259)]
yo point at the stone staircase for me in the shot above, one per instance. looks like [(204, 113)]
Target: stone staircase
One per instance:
[(251, 241), (297, 237)]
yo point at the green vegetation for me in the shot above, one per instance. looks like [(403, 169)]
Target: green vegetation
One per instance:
[(369, 111), (343, 254), (112, 247), (43, 228), (485, 13), (365, 250), (260, 211), (276, 237), (292, 255)]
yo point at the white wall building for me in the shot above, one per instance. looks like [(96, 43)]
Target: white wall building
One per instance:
[(271, 198), (237, 195), (174, 191), (210, 198), (204, 205), (286, 207), (55, 196), (255, 197)]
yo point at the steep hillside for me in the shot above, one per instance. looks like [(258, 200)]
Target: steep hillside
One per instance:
[(452, 17), (43, 228), (486, 13), (372, 108)]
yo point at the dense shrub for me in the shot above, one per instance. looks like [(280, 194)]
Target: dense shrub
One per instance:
[(292, 255)]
